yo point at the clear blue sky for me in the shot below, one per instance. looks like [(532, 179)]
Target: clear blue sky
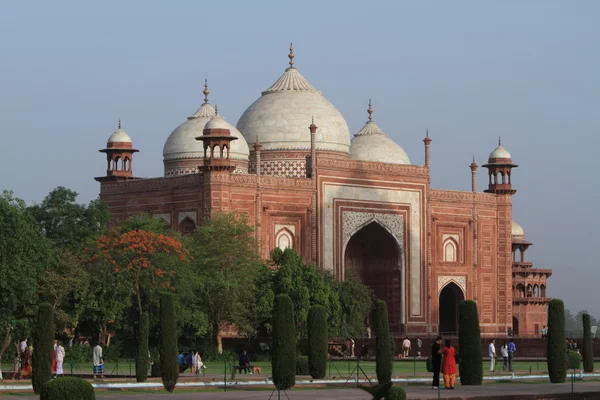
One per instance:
[(470, 71)]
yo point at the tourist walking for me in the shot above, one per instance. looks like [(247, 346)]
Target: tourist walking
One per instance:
[(544, 332), (492, 354), (449, 364), (511, 353), (98, 361), (436, 361), (504, 354), (60, 357), (406, 347)]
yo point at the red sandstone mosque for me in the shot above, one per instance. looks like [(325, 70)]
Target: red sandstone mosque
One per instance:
[(351, 205)]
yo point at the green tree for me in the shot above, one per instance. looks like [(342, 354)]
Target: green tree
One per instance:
[(318, 341), (24, 254), (384, 352), (469, 343), (588, 349), (169, 365), (356, 300), (66, 223), (556, 352), (43, 349), (141, 360), (226, 267), (284, 343)]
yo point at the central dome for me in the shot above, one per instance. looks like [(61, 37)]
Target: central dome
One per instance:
[(281, 116)]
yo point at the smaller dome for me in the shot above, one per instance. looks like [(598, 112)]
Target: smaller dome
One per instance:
[(217, 122), (119, 136), (517, 230), (499, 153)]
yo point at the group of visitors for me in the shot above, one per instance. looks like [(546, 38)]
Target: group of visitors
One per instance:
[(444, 360), (572, 345), (507, 351), (407, 347), (349, 348), (191, 360)]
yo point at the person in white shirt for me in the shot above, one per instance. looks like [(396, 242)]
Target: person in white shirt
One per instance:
[(504, 354), (492, 354), (199, 364), (406, 347), (98, 361), (60, 357)]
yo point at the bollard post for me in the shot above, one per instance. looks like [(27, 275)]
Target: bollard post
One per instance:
[(414, 365), (129, 369), (225, 377)]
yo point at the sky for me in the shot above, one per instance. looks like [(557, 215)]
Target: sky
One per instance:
[(469, 71)]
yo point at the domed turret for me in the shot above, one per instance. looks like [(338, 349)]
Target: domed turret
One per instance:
[(183, 154), (372, 144), (500, 171), (280, 117), (118, 137), (119, 156)]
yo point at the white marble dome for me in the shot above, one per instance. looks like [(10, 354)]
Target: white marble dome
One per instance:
[(499, 152), (372, 144), (517, 230), (281, 116), (119, 136)]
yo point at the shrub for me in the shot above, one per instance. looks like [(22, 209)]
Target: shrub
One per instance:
[(284, 343), (318, 342), (588, 350), (67, 388), (574, 360), (43, 350), (429, 364), (396, 393), (141, 360), (168, 342), (386, 391), (78, 353), (384, 352), (469, 343), (302, 365), (556, 352)]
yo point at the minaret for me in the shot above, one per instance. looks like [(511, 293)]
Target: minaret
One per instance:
[(119, 156), (473, 167), (257, 148), (313, 174), (427, 142), (500, 171)]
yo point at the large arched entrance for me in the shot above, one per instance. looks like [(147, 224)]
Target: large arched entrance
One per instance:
[(450, 298), (372, 255)]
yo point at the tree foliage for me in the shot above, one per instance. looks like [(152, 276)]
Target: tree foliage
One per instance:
[(556, 353), (469, 343), (384, 352), (169, 365), (588, 349), (318, 341), (68, 388), (141, 359), (43, 349), (284, 343)]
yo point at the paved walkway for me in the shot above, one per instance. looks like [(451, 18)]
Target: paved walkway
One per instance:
[(519, 391)]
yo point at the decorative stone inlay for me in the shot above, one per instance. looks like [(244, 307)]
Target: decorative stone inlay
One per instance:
[(187, 214), (450, 236), (353, 220), (287, 168), (166, 217), (461, 281), (290, 228)]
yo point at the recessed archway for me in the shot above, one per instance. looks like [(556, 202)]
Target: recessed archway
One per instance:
[(450, 298), (373, 256), (515, 325)]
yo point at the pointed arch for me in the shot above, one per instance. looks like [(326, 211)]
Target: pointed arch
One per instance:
[(284, 238), (187, 226), (450, 250)]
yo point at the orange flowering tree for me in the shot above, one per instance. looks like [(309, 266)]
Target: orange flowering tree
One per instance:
[(144, 259)]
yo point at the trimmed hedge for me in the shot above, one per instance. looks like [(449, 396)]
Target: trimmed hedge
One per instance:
[(556, 351), (396, 393), (574, 360), (302, 365), (384, 353), (169, 364), (588, 350), (43, 350), (469, 343), (67, 388), (318, 341), (429, 364), (141, 360), (284, 343), (385, 391)]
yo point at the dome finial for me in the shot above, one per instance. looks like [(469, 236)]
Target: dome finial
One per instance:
[(370, 111), (216, 110), (426, 132), (473, 158), (291, 55), (119, 126), (206, 91), (499, 140)]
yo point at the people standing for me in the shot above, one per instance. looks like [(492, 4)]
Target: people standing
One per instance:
[(511, 353), (60, 357), (352, 344), (492, 354), (436, 361), (419, 346), (98, 361), (406, 347), (245, 362), (449, 364), (504, 354), (54, 358), (544, 332), (189, 362), (368, 332)]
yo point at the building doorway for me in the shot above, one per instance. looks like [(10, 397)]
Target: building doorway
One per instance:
[(450, 298), (515, 327), (372, 256)]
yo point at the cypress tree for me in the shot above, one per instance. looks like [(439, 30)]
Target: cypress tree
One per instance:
[(318, 341), (284, 343), (141, 360), (556, 352), (169, 364), (588, 350), (384, 353), (469, 343), (43, 347)]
